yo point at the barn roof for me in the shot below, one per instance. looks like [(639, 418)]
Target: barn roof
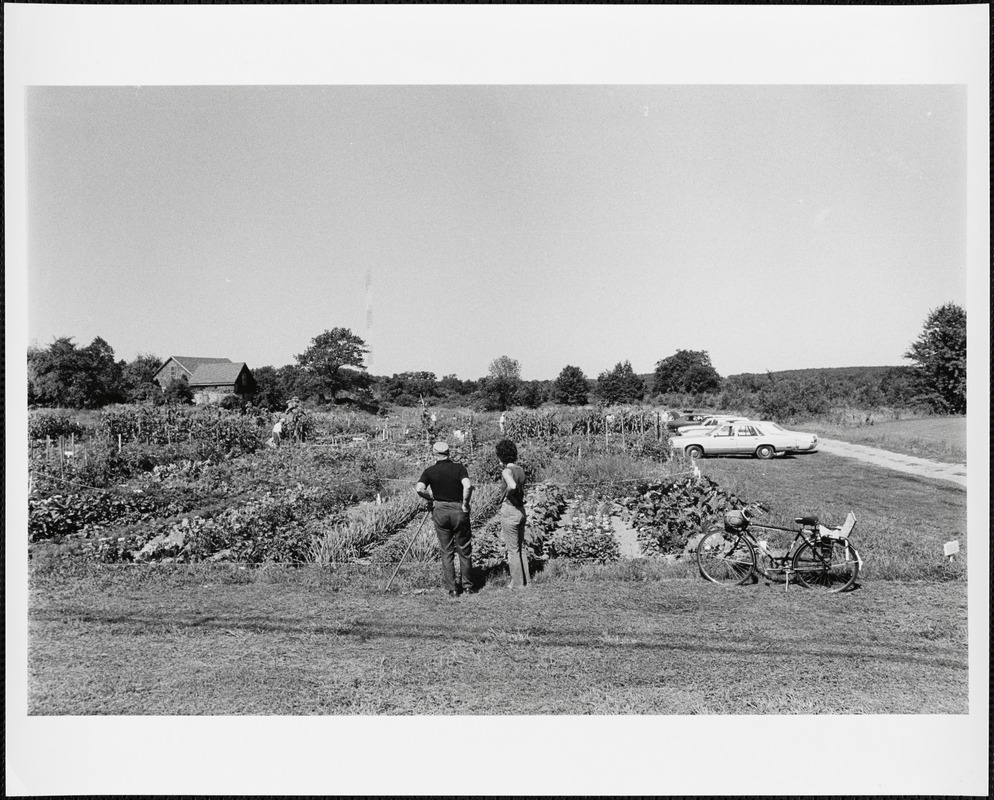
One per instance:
[(217, 374), (192, 363)]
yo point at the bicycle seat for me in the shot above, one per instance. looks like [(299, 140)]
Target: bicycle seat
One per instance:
[(812, 521)]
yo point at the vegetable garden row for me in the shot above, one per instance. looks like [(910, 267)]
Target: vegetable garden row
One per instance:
[(193, 485)]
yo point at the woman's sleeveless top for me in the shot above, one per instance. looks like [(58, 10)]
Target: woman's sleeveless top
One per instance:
[(516, 496)]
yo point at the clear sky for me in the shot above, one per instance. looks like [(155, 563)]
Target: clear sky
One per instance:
[(774, 226)]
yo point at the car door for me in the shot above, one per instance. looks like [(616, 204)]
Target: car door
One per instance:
[(746, 439), (721, 441)]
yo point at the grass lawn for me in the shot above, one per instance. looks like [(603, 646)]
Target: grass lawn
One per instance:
[(198, 641), (937, 438)]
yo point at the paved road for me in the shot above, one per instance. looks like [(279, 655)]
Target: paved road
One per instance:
[(896, 461)]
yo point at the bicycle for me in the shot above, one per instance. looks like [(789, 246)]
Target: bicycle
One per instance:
[(730, 554)]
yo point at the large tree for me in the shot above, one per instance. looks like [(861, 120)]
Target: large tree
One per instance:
[(571, 387), (64, 375), (686, 372), (334, 363), (505, 367), (499, 389), (620, 385), (138, 377), (939, 356)]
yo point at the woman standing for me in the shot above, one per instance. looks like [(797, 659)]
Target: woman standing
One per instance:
[(512, 513)]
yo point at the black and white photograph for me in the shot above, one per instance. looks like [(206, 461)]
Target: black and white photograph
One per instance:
[(489, 400)]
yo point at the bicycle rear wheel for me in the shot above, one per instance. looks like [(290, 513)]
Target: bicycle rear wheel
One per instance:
[(828, 565), (725, 558)]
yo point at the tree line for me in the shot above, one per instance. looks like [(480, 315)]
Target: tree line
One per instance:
[(331, 372)]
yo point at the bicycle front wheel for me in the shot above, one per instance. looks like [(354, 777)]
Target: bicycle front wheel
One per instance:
[(726, 558), (829, 565)]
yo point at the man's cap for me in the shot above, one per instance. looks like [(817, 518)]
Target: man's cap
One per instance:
[(440, 447)]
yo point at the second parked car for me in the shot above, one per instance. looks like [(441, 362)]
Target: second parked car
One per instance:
[(760, 439), (674, 419), (709, 424)]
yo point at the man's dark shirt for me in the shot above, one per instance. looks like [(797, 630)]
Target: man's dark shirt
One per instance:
[(445, 480)]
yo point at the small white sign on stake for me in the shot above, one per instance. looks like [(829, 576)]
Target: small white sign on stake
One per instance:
[(950, 549)]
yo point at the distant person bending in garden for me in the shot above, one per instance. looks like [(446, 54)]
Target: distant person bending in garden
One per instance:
[(278, 431), (512, 513), (295, 425), (447, 488)]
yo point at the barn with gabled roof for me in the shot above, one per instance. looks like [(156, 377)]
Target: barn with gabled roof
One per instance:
[(211, 379)]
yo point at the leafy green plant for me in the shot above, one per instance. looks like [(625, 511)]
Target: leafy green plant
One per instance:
[(64, 515), (668, 513), (272, 527), (589, 540)]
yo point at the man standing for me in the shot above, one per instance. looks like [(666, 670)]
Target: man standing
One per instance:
[(447, 488)]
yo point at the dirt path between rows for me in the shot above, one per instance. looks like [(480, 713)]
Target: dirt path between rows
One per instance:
[(896, 461)]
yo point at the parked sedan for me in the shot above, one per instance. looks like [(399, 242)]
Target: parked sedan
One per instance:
[(709, 424), (761, 439), (674, 419)]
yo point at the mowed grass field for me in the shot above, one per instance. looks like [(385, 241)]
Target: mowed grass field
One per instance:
[(632, 638), (581, 646), (937, 438)]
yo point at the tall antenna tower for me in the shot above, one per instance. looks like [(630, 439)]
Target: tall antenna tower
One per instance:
[(369, 318)]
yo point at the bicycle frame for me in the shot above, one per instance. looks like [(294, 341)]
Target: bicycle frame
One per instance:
[(779, 563)]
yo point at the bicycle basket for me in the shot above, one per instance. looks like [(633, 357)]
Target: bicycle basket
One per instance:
[(736, 521)]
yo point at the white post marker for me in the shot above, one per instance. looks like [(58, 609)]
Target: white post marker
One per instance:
[(950, 549)]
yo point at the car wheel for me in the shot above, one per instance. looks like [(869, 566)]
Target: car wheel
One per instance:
[(695, 451), (765, 451)]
